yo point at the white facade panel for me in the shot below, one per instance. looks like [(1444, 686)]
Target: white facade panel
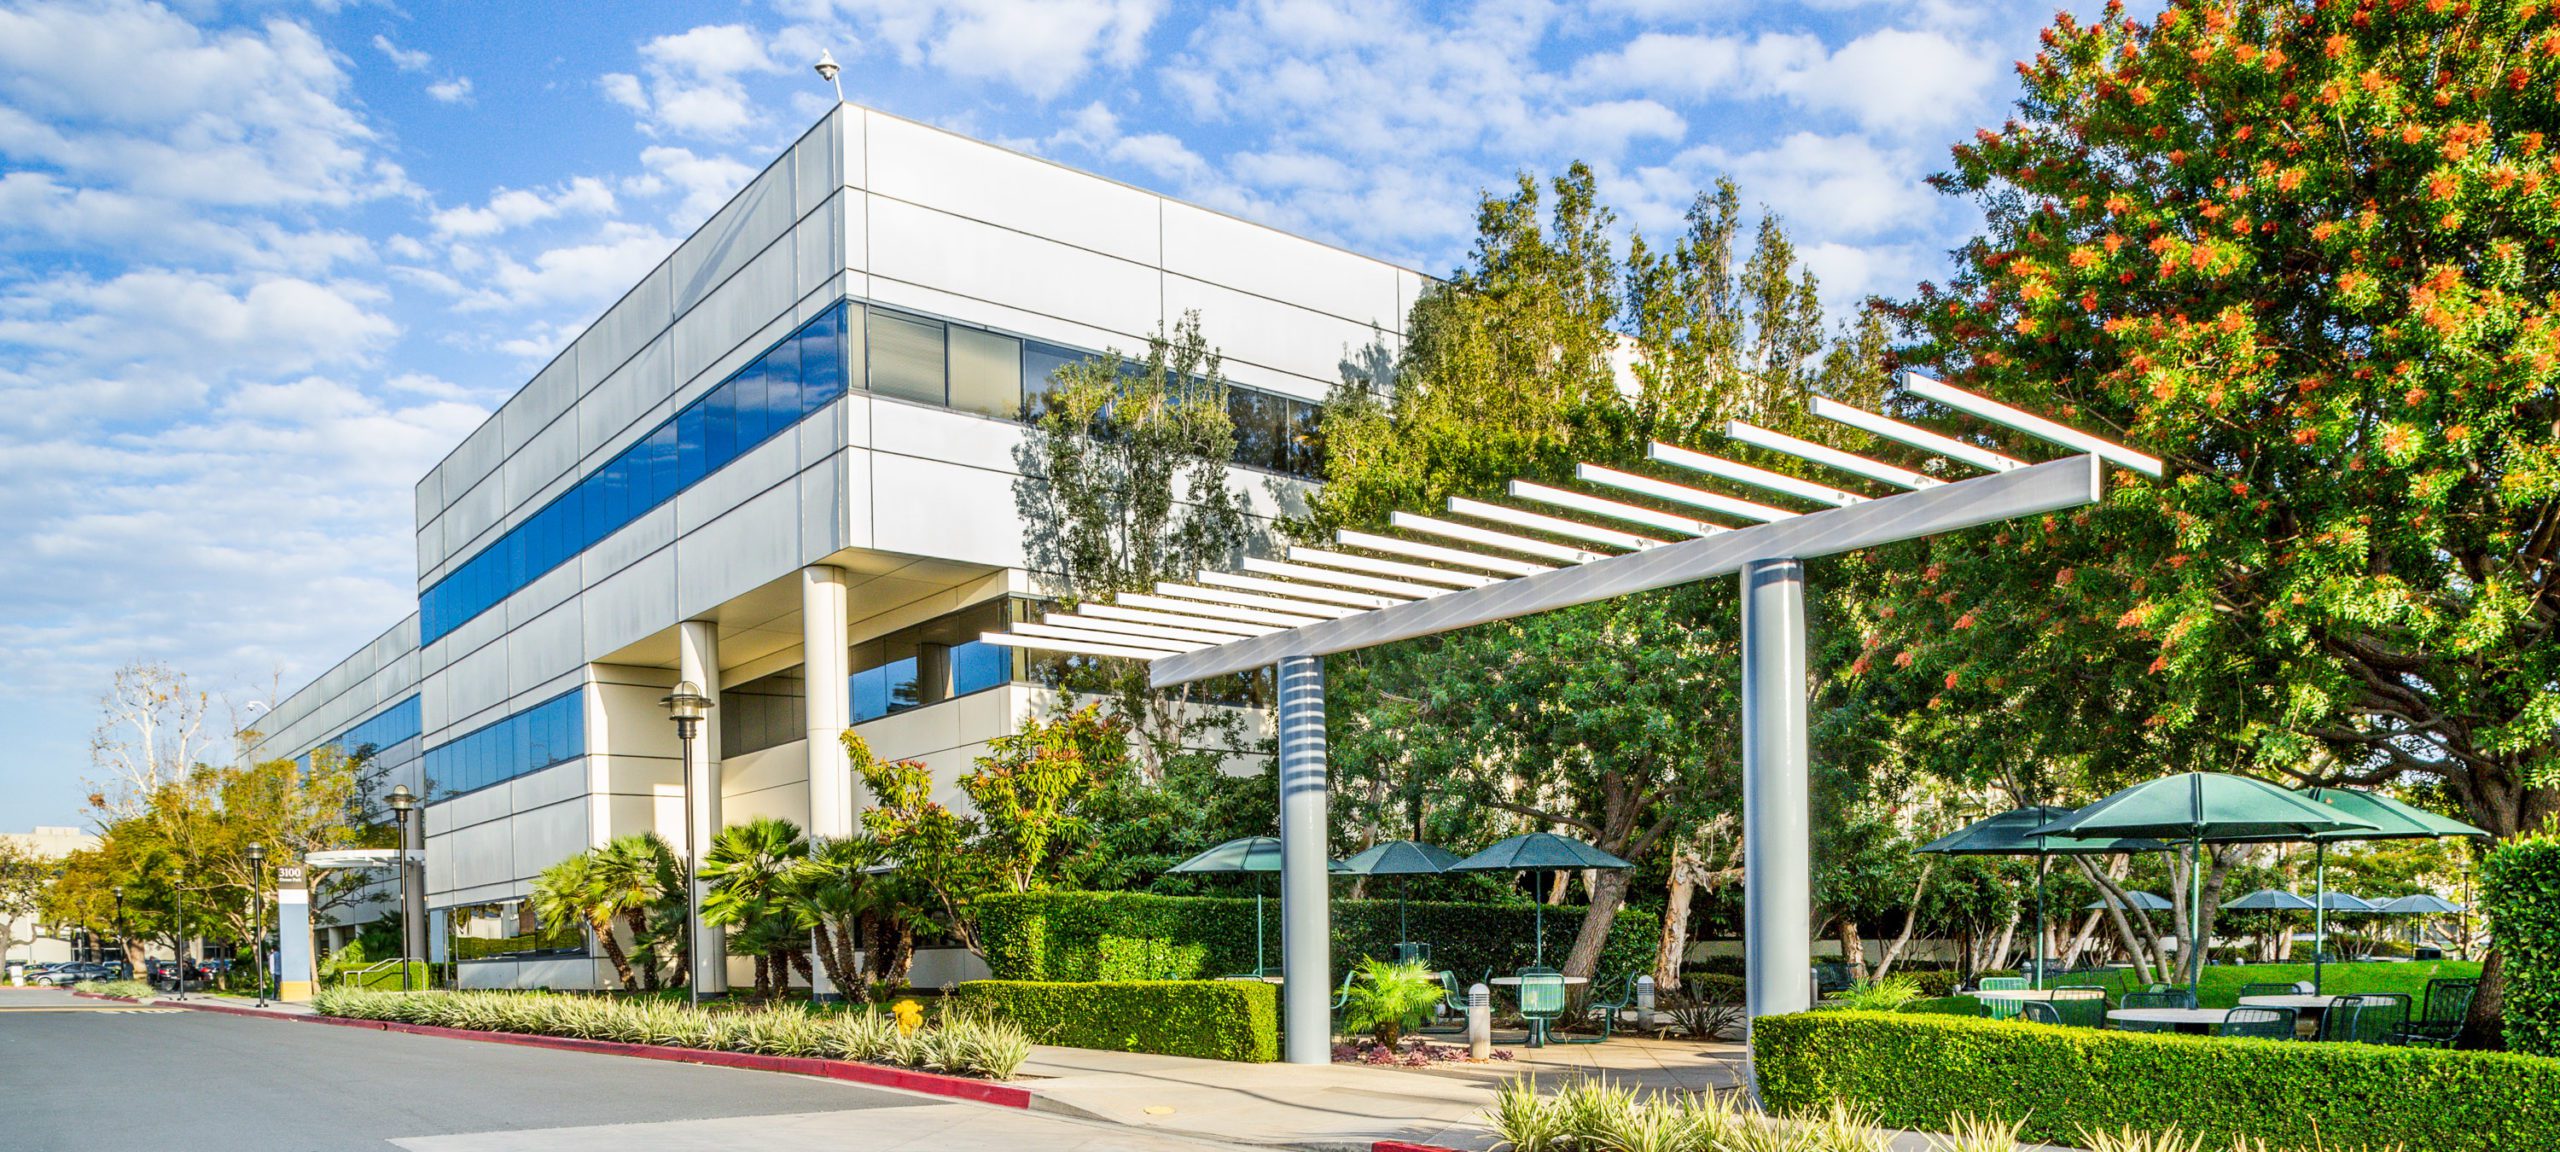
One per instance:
[(741, 307), (631, 603), (543, 459), (817, 164), (481, 853), (1208, 247), (817, 246), (654, 529), (922, 165), (958, 255), (632, 322), (822, 519), (531, 410), (771, 463), (476, 512), (606, 413), (550, 821), (944, 435), (540, 651), (752, 544), (1307, 344), (753, 219), (477, 457), (929, 508), (477, 682), (546, 592)]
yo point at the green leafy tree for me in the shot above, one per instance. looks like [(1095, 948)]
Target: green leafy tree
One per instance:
[(829, 894), (1031, 786), (931, 845), (1546, 351), (2306, 253), (632, 878), (568, 892), (1125, 483), (747, 869)]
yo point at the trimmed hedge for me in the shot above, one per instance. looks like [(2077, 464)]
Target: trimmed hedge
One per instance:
[(1915, 1071), (2520, 890), (1087, 936), (1209, 1019)]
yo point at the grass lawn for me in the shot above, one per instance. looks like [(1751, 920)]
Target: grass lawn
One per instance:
[(2221, 985)]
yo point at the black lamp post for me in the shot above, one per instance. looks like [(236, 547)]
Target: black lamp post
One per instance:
[(686, 706), (120, 952), (258, 917), (403, 806), (178, 897)]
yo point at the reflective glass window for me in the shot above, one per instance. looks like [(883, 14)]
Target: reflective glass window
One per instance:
[(986, 373), (822, 360), (1040, 366), (906, 357)]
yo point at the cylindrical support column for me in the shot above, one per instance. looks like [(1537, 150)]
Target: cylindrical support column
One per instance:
[(698, 661), (1777, 831), (827, 699), (1306, 915)]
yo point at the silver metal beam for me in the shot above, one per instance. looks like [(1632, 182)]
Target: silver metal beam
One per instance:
[(1126, 628), (1681, 494), (1079, 647), (1454, 556), (1175, 620), (1230, 598), (1306, 934), (1829, 457), (2047, 487), (1742, 473), (1487, 537), (1207, 611), (1551, 525), (1101, 636), (2028, 422), (1615, 510), (1296, 591)]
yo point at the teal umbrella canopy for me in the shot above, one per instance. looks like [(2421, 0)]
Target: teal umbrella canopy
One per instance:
[(2208, 807), (2143, 900), (1401, 858), (2013, 833), (1538, 852), (2422, 904), (1244, 854), (2346, 902), (2269, 900), (2391, 819)]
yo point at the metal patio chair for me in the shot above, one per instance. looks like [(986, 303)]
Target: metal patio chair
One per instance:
[(2262, 1023), (2174, 998), (1541, 1002), (2439, 1019), (2080, 1007)]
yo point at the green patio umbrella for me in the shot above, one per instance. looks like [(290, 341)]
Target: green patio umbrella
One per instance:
[(2270, 901), (1406, 858), (2202, 808), (2390, 820), (2143, 900), (2012, 833), (1245, 854), (2422, 904), (1541, 853)]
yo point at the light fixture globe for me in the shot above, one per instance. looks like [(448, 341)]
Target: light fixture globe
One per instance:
[(686, 703)]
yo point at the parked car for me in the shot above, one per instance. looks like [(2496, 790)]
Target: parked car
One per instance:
[(162, 975), (66, 975)]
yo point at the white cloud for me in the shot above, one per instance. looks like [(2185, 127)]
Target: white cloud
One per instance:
[(1040, 49), (404, 59), (1893, 79), (691, 85), (707, 182), (575, 276), (517, 207), (453, 91)]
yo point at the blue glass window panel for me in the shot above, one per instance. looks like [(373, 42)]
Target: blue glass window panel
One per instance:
[(822, 360), (904, 691), (615, 482), (870, 694), (749, 389), (1040, 365), (781, 371), (662, 466), (720, 409), (692, 452), (977, 666)]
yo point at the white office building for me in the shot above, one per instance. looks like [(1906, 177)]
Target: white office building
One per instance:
[(782, 467)]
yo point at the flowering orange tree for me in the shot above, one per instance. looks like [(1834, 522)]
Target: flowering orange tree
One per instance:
[(2309, 253)]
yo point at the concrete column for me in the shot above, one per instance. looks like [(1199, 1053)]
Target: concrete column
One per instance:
[(1306, 915), (294, 967), (698, 660), (827, 699), (1777, 832)]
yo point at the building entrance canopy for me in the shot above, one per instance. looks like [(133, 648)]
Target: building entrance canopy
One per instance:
[(1490, 561)]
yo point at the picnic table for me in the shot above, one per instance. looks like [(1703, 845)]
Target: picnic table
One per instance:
[(2300, 1002), (2184, 1019), (2020, 994)]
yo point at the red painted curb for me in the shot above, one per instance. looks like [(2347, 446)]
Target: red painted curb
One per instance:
[(103, 996), (878, 1075)]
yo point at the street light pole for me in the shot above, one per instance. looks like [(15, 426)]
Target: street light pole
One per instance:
[(402, 806), (258, 917), (686, 705), (178, 896), (120, 948)]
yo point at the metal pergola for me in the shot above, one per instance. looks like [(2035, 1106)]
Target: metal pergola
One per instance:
[(1553, 547)]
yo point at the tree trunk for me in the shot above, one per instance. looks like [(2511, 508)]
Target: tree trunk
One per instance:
[(1685, 866), (1910, 921), (613, 952), (1853, 949), (2480, 1029), (764, 976), (637, 919), (1606, 896), (2081, 939), (836, 959)]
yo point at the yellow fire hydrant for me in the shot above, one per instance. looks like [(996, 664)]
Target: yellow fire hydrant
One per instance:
[(910, 1017)]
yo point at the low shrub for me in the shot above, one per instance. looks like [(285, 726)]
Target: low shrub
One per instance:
[(1706, 1005), (127, 989), (1209, 1019), (1916, 1071), (1936, 982), (2520, 890), (1945, 1006), (1088, 936), (957, 1043)]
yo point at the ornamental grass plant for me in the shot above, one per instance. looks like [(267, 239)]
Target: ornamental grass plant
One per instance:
[(959, 1043), (124, 989)]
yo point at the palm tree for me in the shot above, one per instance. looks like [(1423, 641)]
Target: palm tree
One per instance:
[(749, 868), (829, 893), (566, 893), (632, 875)]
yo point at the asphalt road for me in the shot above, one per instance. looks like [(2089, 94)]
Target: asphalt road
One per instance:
[(76, 1075)]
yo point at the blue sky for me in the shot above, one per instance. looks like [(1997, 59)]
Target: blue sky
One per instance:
[(261, 265)]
